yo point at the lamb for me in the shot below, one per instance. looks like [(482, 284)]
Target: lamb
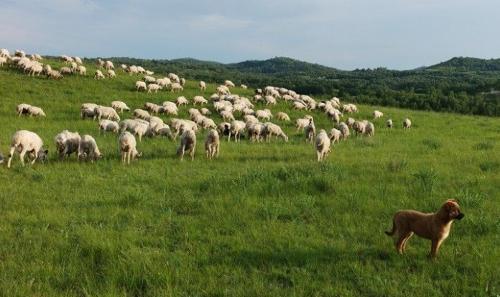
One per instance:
[(170, 108), (369, 129), (88, 150), (176, 87), (128, 147), (67, 143), (212, 144), (377, 114), (120, 106), (335, 135), (322, 145), (153, 88), (199, 100), (344, 129), (106, 112), (203, 86), (310, 131), (140, 85), (111, 73), (188, 143), (389, 123), (141, 114), (407, 123), (23, 142), (282, 116), (107, 125), (98, 75), (271, 129), (236, 129), (181, 100)]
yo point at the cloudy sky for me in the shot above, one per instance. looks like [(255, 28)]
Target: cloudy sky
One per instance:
[(347, 34)]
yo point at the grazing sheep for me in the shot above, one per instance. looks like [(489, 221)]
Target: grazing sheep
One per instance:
[(22, 108), (212, 144), (205, 111), (66, 70), (264, 114), (128, 147), (109, 126), (208, 123), (335, 135), (111, 73), (109, 65), (203, 86), (377, 114), (153, 88), (98, 75), (88, 150), (350, 122), (170, 108), (243, 86), (23, 142), (181, 100), (140, 85), (322, 145), (271, 129), (199, 100), (344, 129), (78, 60), (163, 82), (223, 90), (310, 131), (369, 129), (188, 143), (141, 114), (82, 70), (224, 128), (255, 131), (359, 127), (54, 74), (302, 123), (182, 81), (389, 123), (174, 77), (229, 84), (120, 106), (106, 113), (35, 111), (407, 123), (176, 87), (136, 126), (227, 115), (282, 116), (149, 79), (270, 100), (236, 128), (67, 143), (154, 108)]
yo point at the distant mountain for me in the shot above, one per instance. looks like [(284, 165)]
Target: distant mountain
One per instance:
[(280, 65), (467, 64)]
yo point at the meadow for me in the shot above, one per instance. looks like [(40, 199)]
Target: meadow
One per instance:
[(264, 219)]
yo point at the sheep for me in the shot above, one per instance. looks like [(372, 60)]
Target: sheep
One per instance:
[(335, 135), (98, 75), (182, 81), (188, 143), (377, 114), (149, 79), (100, 63), (344, 129), (81, 70), (229, 83), (223, 90), (255, 131), (224, 128), (359, 127), (212, 144), (67, 143), (227, 115), (264, 114), (132, 70), (270, 100), (78, 60), (369, 129), (135, 126), (282, 116), (208, 123), (176, 87), (205, 111), (243, 86), (153, 88), (22, 108), (302, 123), (389, 123), (107, 125), (106, 112), (199, 100), (66, 70), (322, 145), (407, 123), (250, 119), (203, 86), (140, 85), (153, 108), (170, 108), (120, 106), (181, 100), (310, 131), (299, 105), (54, 74), (3, 60), (141, 114), (35, 111), (87, 113), (88, 150), (174, 77), (350, 122), (23, 142), (108, 65), (111, 73), (180, 125), (236, 128), (128, 147), (271, 129), (163, 82)]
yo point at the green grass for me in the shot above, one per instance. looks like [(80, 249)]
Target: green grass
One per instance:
[(262, 220)]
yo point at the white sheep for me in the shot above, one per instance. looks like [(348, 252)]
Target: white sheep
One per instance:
[(67, 143), (212, 144), (153, 88), (335, 135), (23, 142), (140, 85), (154, 108), (188, 143), (302, 123), (176, 87), (199, 100), (350, 122), (109, 126), (120, 106), (271, 129), (369, 129), (88, 150), (128, 147), (141, 114), (344, 129), (227, 115), (255, 131), (109, 65), (111, 73), (310, 131), (264, 114), (149, 79), (229, 84), (106, 113), (205, 111), (322, 145), (170, 108), (82, 70), (359, 127), (389, 123), (208, 123), (203, 86), (407, 123), (135, 126), (98, 75), (236, 128), (181, 100), (282, 116), (243, 86), (22, 108), (35, 111), (377, 114)]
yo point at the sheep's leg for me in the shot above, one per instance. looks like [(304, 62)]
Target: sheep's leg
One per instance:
[(11, 154), (129, 154), (229, 137), (21, 155)]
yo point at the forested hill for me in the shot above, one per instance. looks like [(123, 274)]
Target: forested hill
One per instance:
[(463, 85)]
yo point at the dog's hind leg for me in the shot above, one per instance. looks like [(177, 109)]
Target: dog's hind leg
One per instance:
[(405, 241), (402, 238)]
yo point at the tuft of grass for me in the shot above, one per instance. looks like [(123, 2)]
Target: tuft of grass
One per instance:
[(432, 144), (397, 165), (425, 180), (489, 166), (484, 146)]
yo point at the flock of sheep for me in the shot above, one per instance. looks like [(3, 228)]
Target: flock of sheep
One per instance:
[(145, 121)]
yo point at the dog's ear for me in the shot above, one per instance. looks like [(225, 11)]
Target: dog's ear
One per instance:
[(450, 204)]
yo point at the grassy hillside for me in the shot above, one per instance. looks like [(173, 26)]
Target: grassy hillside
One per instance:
[(262, 220)]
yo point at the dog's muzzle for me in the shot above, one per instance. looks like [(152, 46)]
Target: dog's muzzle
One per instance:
[(460, 216)]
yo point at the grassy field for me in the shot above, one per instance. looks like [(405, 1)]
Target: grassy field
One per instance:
[(262, 220)]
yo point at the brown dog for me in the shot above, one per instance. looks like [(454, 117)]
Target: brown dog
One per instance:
[(433, 226)]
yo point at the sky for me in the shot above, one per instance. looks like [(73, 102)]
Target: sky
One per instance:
[(345, 34)]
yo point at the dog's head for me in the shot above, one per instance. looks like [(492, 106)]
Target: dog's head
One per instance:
[(453, 209)]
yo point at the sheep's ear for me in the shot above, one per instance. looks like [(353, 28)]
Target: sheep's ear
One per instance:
[(46, 152)]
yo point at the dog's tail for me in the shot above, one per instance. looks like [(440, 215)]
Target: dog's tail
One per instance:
[(390, 233)]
